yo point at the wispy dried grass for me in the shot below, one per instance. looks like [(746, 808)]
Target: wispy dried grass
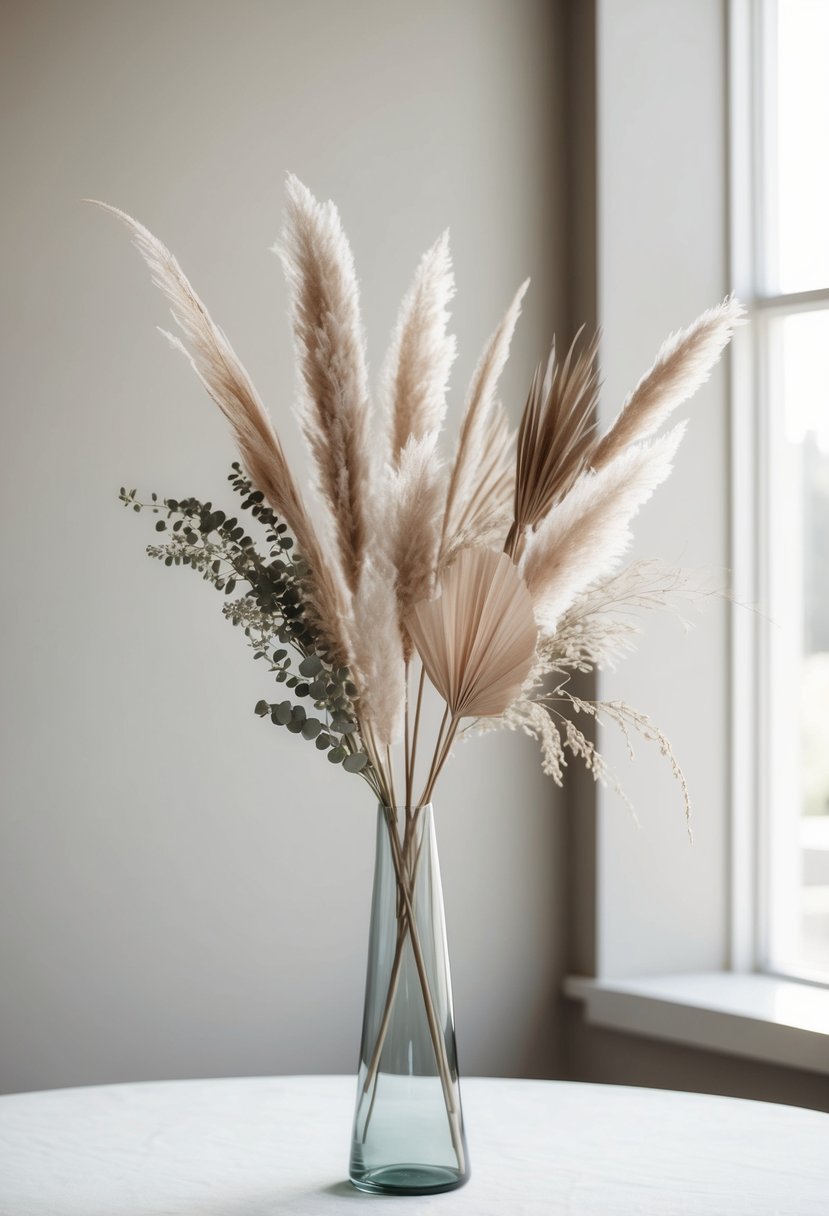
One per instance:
[(333, 409), (477, 639), (416, 373), (476, 428), (555, 439), (683, 364), (222, 374), (588, 531)]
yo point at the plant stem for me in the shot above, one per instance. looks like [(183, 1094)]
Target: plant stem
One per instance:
[(440, 758), (394, 976), (406, 742), (431, 1016), (415, 733), (438, 743)]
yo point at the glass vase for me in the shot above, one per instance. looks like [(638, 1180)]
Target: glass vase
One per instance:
[(408, 1134)]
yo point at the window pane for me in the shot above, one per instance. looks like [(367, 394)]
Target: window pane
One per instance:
[(802, 159), (799, 643)]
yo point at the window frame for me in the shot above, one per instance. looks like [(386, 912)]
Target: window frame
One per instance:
[(754, 822)]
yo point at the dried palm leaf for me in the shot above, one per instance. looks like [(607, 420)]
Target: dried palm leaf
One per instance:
[(555, 438), (582, 538), (683, 364), (475, 427), (477, 639), (220, 371), (333, 410), (416, 374)]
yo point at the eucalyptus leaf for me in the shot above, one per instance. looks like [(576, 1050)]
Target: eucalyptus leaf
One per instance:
[(311, 665)]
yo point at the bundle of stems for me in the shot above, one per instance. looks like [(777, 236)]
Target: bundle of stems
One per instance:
[(478, 571)]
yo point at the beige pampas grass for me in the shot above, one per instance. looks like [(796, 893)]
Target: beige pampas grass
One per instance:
[(586, 533), (378, 656), (477, 639), (409, 529), (476, 425), (222, 374), (421, 354), (333, 410), (555, 438), (683, 364)]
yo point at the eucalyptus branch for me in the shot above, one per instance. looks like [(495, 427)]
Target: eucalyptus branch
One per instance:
[(271, 613)]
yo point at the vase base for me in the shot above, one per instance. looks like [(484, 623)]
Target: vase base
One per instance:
[(408, 1180)]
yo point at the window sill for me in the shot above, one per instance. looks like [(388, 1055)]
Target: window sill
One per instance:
[(759, 1016)]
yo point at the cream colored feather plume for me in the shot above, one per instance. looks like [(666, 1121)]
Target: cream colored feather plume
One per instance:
[(378, 652), (587, 532), (409, 529), (477, 639), (416, 374), (333, 409), (220, 371), (684, 362), (475, 426)]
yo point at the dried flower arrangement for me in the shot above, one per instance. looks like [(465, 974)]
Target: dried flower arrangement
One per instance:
[(495, 574)]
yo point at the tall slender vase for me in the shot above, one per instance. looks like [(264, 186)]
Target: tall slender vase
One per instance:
[(408, 1124)]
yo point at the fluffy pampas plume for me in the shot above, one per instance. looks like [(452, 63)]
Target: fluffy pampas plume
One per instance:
[(421, 354), (333, 410), (477, 640), (683, 364), (409, 529), (220, 371), (585, 534), (378, 654)]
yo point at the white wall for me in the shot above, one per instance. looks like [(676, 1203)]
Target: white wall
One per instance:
[(184, 890)]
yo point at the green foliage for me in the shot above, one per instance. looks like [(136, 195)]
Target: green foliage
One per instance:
[(270, 611)]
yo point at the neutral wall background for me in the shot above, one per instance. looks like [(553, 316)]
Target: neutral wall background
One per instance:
[(183, 890)]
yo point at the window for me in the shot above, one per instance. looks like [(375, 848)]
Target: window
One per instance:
[(787, 430)]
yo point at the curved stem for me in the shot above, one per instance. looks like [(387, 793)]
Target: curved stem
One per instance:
[(439, 760), (431, 1017), (415, 733)]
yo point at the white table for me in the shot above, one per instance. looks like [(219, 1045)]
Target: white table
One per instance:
[(279, 1145)]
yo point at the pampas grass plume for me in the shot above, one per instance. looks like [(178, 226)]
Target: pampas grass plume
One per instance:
[(683, 364), (583, 537), (333, 409), (222, 374)]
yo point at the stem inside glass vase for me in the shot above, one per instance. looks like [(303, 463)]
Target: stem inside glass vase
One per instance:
[(408, 1126)]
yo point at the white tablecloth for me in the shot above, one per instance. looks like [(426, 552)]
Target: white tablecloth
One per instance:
[(279, 1145)]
